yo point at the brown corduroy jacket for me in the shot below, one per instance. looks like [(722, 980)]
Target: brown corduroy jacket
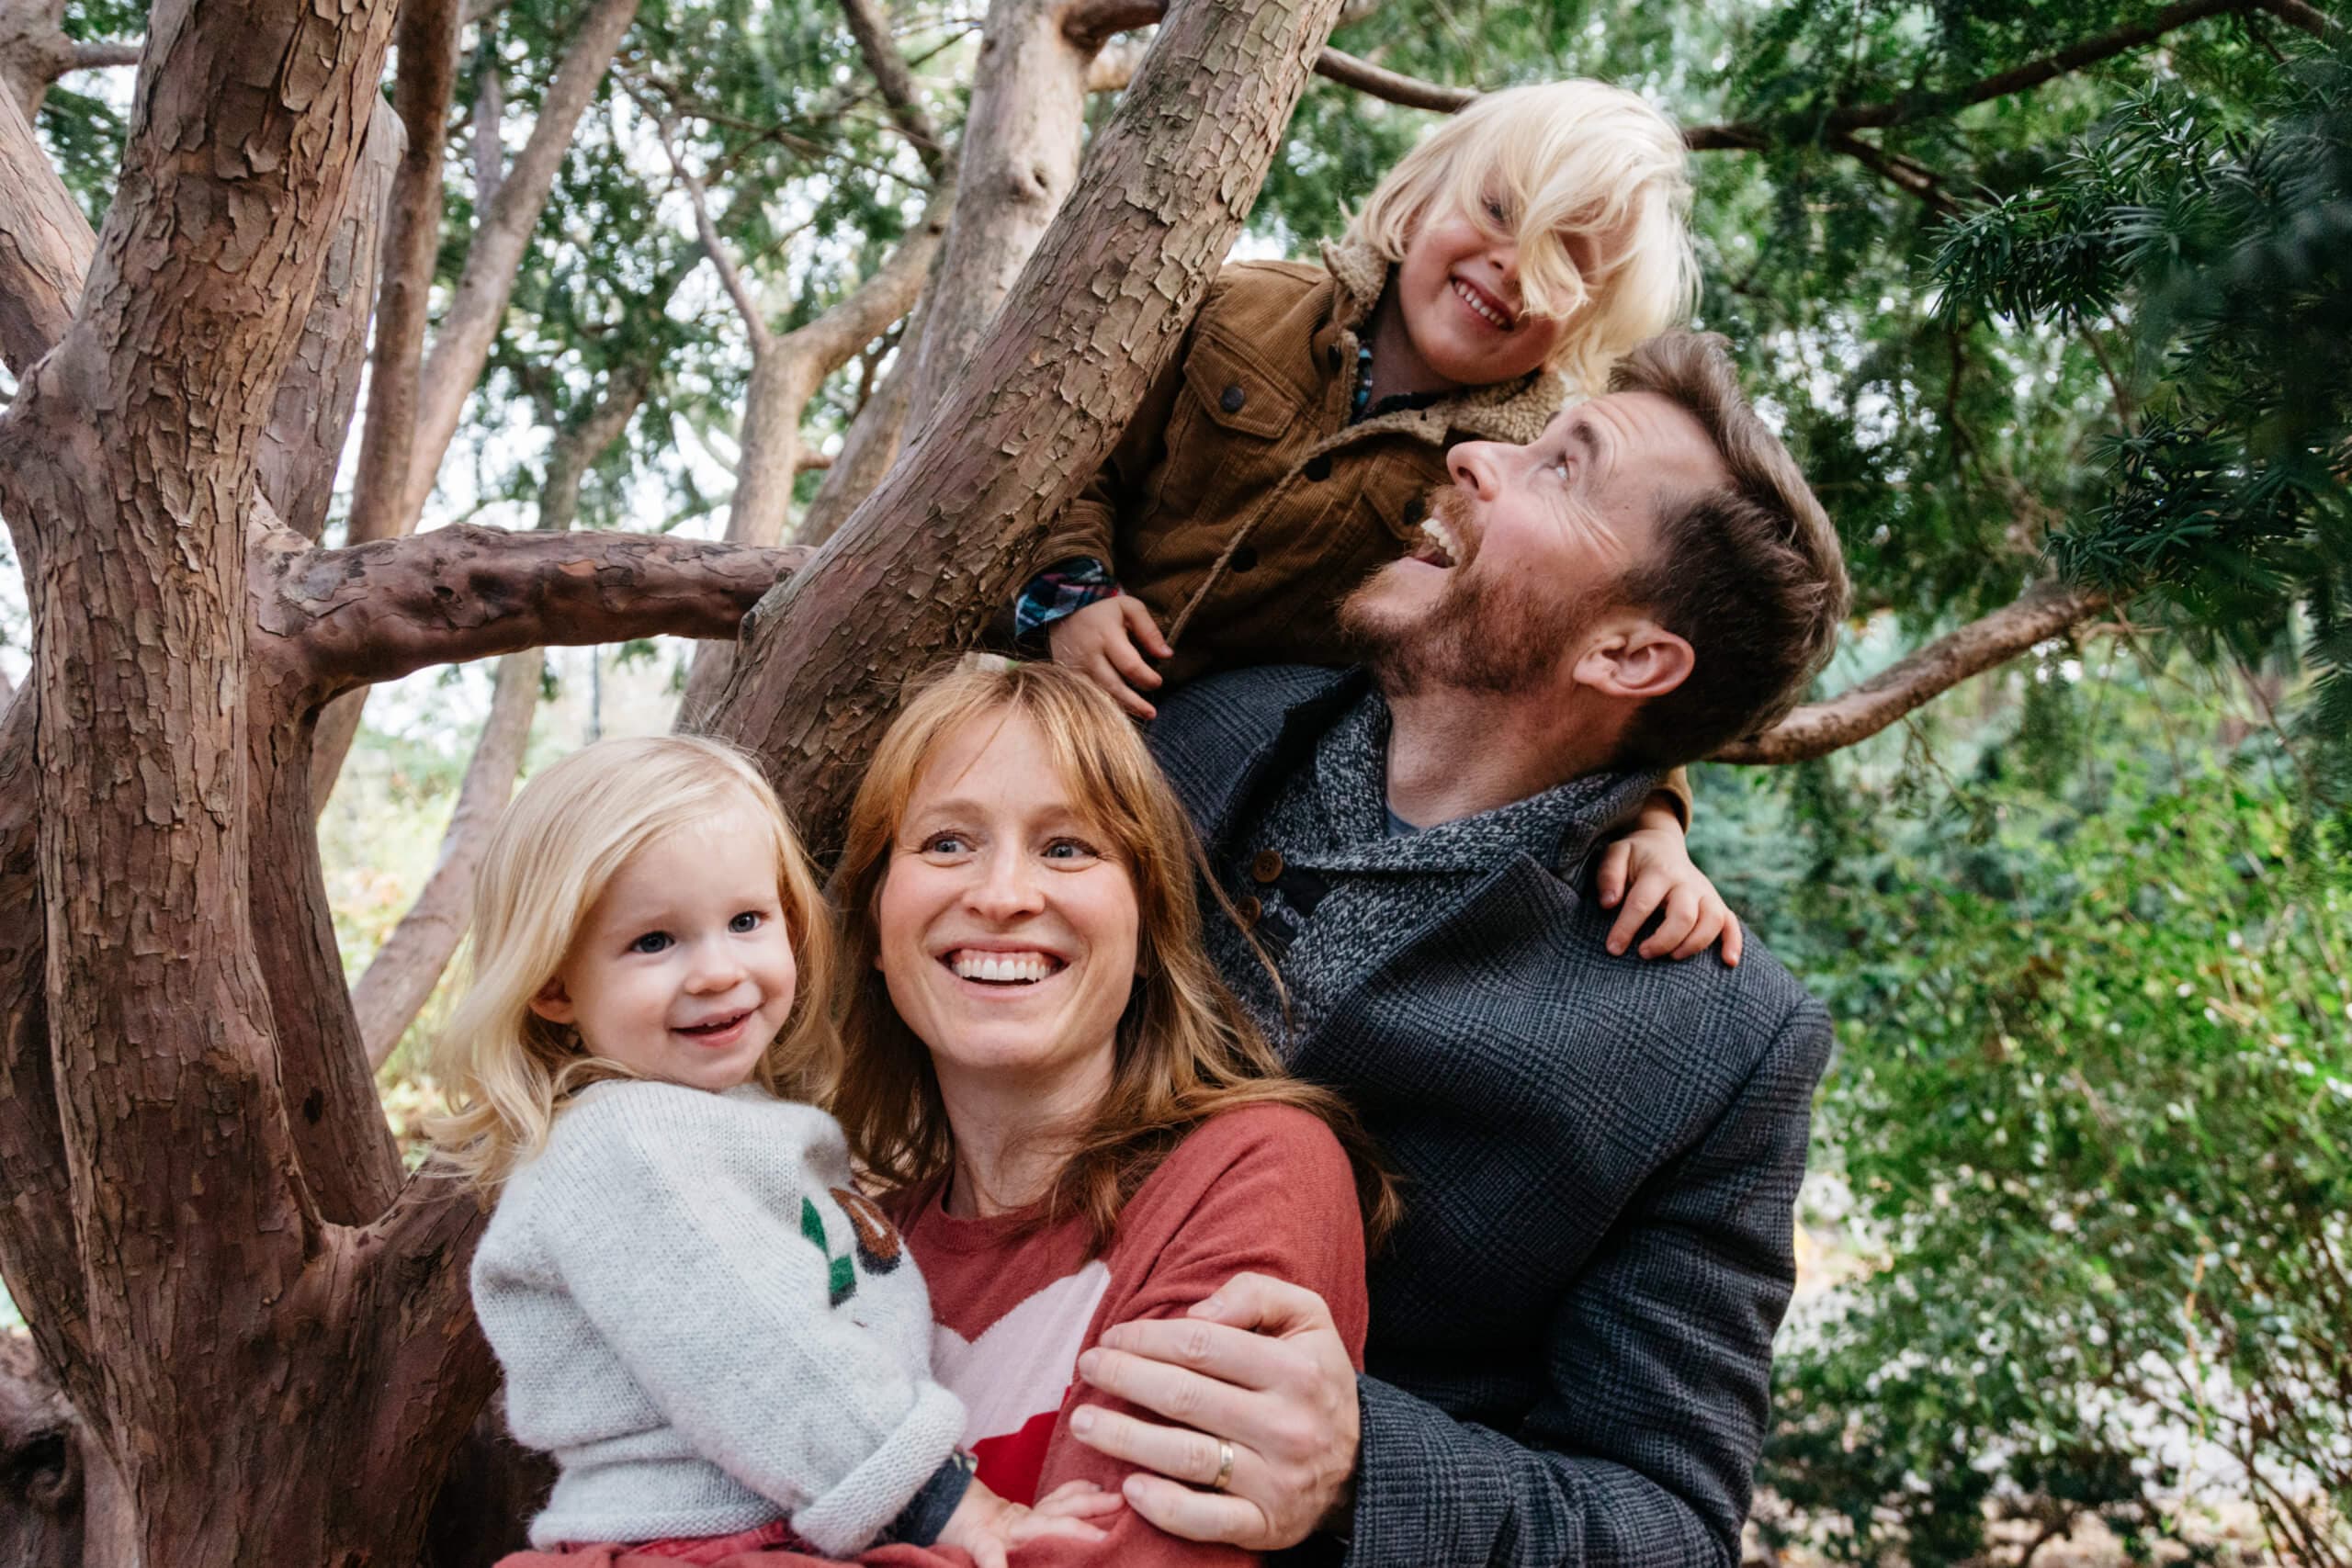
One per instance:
[(1241, 506)]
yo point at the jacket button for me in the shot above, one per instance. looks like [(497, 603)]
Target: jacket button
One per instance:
[(1232, 398), (1245, 558), (1266, 865), (1318, 468), (1249, 910)]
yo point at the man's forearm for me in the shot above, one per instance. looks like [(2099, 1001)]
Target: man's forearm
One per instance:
[(1432, 1492)]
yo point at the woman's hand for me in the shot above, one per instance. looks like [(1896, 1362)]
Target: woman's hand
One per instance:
[(988, 1527), (1259, 1371), (1106, 642), (1650, 869)]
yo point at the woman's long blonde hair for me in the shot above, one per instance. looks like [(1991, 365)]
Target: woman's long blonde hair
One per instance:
[(1560, 157), (1186, 1051), (561, 844)]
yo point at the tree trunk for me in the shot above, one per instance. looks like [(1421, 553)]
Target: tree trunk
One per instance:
[(1019, 159), (400, 979), (917, 569), (870, 445)]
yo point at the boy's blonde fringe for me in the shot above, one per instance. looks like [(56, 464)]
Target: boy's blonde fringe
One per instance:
[(568, 833), (1560, 157)]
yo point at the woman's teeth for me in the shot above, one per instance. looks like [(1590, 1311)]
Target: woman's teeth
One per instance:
[(1469, 296), (1003, 967)]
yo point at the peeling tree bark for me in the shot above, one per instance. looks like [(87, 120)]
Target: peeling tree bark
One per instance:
[(917, 569), (45, 246)]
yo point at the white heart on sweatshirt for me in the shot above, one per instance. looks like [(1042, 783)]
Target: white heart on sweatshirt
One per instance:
[(1022, 1363)]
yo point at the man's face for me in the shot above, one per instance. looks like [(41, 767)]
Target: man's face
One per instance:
[(1528, 550)]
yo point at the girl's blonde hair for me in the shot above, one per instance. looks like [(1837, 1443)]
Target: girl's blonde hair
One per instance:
[(1558, 157), (561, 844), (1186, 1051)]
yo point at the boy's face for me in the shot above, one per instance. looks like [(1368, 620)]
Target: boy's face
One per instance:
[(1458, 291)]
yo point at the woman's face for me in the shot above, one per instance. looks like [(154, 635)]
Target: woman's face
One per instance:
[(1008, 933)]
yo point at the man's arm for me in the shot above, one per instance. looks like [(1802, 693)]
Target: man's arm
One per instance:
[(1643, 1449)]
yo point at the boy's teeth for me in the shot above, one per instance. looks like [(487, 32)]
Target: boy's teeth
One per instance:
[(1001, 967), (1462, 291)]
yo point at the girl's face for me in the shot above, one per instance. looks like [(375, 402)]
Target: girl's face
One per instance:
[(1007, 932), (684, 968), (1457, 289)]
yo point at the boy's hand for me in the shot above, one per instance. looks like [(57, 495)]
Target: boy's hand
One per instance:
[(988, 1527), (1102, 642), (1655, 862)]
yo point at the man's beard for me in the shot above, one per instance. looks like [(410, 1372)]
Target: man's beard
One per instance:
[(1502, 637)]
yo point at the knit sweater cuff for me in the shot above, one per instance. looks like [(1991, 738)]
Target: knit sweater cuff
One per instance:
[(865, 1500)]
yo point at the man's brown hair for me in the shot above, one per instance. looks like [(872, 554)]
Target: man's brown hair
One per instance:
[(1750, 574)]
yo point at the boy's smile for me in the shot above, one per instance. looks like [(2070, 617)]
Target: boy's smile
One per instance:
[(1457, 294)]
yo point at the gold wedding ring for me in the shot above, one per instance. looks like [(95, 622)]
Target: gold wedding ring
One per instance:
[(1224, 1466)]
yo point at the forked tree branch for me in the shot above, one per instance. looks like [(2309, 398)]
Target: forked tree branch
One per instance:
[(872, 30), (2042, 612)]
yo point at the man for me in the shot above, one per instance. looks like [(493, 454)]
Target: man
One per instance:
[(1571, 1332)]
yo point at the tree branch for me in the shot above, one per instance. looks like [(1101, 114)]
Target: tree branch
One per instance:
[(422, 93), (101, 56), (1390, 87), (723, 260), (896, 83), (311, 414), (45, 245), (1751, 135), (477, 304), (1905, 173), (380, 611), (2042, 612)]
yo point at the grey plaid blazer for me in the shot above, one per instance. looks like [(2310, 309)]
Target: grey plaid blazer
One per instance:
[(1571, 1332)]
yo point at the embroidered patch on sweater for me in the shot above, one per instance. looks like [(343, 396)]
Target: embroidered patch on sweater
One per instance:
[(878, 1247), (841, 1279)]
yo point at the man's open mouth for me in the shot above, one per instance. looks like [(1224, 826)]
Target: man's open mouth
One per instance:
[(1437, 546), (991, 968)]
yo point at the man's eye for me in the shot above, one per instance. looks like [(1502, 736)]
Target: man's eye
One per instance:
[(652, 942), (748, 921)]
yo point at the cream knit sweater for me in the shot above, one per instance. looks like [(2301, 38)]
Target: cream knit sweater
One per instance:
[(693, 1325)]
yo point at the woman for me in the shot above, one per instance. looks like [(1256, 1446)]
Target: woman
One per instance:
[(1070, 1118)]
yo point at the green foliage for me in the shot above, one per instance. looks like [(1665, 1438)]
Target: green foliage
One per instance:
[(2094, 1107)]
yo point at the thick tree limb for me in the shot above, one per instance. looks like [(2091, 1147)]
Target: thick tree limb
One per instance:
[(45, 245), (126, 462), (380, 611), (2042, 612), (1061, 368), (303, 446), (870, 445), (872, 30), (427, 80)]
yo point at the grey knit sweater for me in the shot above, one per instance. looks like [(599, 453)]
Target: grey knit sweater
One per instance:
[(706, 1327)]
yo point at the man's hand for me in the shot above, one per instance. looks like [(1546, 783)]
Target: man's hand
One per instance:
[(1656, 860), (1259, 1365), (1106, 642)]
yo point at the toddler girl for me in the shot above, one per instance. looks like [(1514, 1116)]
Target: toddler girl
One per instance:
[(717, 1338)]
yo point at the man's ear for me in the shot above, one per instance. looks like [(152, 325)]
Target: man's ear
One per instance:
[(1635, 659), (554, 1003)]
